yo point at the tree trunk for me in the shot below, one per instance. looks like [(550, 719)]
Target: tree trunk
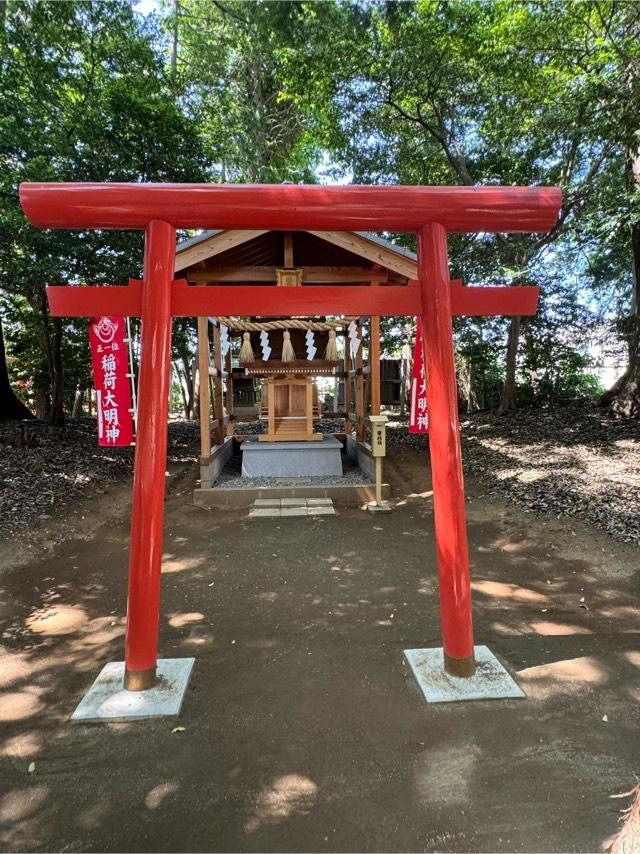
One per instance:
[(43, 403), (11, 408), (196, 379), (56, 416), (190, 378), (623, 398), (185, 367), (532, 361), (174, 45), (49, 401), (482, 396), (466, 376), (518, 260), (183, 393), (472, 399), (78, 400), (508, 402)]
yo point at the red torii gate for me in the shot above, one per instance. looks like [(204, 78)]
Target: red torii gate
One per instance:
[(159, 209)]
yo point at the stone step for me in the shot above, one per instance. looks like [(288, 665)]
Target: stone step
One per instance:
[(269, 508)]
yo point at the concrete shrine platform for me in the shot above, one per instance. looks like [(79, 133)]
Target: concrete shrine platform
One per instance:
[(292, 459)]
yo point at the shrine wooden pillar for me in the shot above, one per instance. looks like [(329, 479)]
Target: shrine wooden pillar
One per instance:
[(309, 407), (147, 508), (446, 457), (205, 399), (374, 360), (217, 385), (270, 386), (348, 426), (359, 386), (229, 368)]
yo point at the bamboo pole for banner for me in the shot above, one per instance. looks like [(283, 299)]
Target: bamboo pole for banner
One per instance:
[(132, 376)]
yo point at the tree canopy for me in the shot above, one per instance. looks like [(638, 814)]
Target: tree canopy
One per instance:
[(417, 92)]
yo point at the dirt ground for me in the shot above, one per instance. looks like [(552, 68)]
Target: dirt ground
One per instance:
[(304, 729)]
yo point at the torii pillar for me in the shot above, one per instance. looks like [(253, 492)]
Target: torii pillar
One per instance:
[(130, 689), (446, 457), (147, 508)]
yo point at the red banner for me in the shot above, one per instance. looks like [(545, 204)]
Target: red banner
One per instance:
[(418, 419), (109, 355)]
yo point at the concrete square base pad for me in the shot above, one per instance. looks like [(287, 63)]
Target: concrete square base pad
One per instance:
[(107, 700), (490, 681)]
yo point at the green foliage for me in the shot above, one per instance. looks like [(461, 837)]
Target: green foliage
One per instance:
[(83, 96), (234, 65), (504, 93), (413, 92), (569, 377)]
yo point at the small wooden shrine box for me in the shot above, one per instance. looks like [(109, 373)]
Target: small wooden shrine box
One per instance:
[(291, 405), (290, 397)]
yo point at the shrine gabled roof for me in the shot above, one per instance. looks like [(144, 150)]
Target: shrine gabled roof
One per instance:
[(368, 235), (193, 241), (258, 247), (388, 244)]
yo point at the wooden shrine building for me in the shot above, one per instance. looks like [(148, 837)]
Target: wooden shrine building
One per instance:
[(289, 402)]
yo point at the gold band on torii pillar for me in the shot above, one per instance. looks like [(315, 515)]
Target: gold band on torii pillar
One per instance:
[(140, 680), (462, 667)]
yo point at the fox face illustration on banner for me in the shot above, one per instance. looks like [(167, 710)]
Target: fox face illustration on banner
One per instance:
[(110, 376)]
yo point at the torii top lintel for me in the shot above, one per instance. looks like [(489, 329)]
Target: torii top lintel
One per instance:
[(290, 206)]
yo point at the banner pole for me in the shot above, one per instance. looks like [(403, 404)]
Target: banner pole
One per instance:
[(132, 375)]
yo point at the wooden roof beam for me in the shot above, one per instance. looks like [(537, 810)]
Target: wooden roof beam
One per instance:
[(288, 249), (312, 275), (371, 251), (214, 245)]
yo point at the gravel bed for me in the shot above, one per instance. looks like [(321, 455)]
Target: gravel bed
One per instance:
[(324, 425), (230, 477), (572, 460), (350, 479)]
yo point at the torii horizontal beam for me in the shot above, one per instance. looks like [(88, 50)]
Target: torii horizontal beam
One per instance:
[(313, 300), (290, 207)]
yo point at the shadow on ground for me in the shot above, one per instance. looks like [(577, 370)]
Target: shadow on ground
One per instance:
[(304, 729)]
